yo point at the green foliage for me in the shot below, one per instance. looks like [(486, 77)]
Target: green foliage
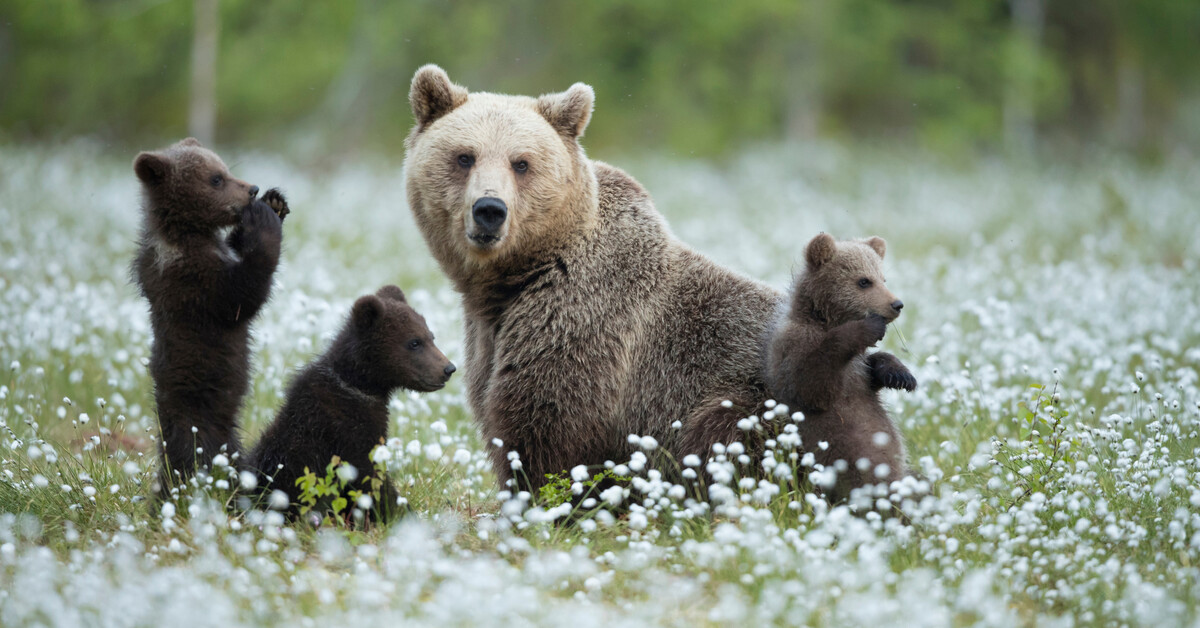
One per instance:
[(697, 77), (330, 495), (557, 489)]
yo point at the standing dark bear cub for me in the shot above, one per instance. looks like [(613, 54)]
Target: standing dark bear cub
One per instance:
[(817, 363), (206, 255), (338, 404)]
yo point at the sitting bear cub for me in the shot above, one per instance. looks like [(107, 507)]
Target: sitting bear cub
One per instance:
[(817, 363), (205, 258), (338, 404)]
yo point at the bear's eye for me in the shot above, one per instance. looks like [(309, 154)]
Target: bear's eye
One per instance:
[(521, 166), (864, 283), (414, 344), (217, 180), (466, 161)]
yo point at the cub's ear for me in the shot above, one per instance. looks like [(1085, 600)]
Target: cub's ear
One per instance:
[(151, 168), (879, 244), (391, 292), (190, 141), (569, 111), (820, 251), (433, 95), (366, 311)]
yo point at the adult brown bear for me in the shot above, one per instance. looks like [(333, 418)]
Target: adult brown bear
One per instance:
[(586, 320)]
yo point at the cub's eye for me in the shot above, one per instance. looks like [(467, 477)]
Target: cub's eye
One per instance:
[(864, 283), (414, 344), (217, 180), (466, 161), (521, 166)]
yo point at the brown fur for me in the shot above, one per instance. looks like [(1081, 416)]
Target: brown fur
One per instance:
[(338, 404), (817, 361), (204, 289), (586, 320)]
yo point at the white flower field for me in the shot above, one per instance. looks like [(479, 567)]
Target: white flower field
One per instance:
[(1052, 320)]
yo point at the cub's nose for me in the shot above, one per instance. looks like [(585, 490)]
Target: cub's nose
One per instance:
[(449, 370), (253, 192), (489, 213), (897, 305)]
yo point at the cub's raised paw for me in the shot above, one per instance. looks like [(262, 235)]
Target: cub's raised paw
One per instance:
[(887, 371), (278, 204), (875, 326), (900, 380)]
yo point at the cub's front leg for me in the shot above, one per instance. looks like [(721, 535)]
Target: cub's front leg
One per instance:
[(246, 282)]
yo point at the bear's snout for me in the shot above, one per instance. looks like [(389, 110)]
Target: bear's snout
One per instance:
[(253, 192), (449, 370), (897, 305), (489, 213)]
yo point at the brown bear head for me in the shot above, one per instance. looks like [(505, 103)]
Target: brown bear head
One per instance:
[(393, 346), (845, 280), (491, 177), (188, 189)]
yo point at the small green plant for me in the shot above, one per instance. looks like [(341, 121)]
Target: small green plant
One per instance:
[(328, 495), (1046, 448), (557, 489)]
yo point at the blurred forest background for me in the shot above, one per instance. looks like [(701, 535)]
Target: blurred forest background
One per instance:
[(684, 77)]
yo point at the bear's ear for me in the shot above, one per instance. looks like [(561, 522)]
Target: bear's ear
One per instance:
[(820, 251), (570, 111), (190, 141), (433, 95), (152, 168), (391, 292), (879, 244), (365, 312)]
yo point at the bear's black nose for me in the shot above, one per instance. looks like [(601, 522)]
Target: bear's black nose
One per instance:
[(897, 305), (449, 370), (489, 213), (253, 192)]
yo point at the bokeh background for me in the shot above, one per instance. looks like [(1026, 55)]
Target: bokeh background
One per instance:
[(681, 77)]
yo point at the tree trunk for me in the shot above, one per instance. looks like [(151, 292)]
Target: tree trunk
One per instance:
[(202, 107), (1131, 89), (1029, 19)]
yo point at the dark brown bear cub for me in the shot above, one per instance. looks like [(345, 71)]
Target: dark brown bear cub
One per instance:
[(338, 404), (206, 255), (817, 363)]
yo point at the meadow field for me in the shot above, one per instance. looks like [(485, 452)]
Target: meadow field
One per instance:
[(1052, 320)]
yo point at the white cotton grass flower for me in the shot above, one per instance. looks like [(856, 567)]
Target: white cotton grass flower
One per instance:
[(248, 480), (612, 496), (278, 500), (580, 473), (347, 472)]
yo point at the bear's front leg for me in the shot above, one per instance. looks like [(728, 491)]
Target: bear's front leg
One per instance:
[(887, 371), (818, 375), (257, 241)]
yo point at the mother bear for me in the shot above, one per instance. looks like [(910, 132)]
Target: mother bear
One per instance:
[(586, 320)]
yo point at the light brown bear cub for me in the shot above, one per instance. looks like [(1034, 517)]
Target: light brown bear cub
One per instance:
[(817, 363)]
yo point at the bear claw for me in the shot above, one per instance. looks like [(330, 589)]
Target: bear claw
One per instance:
[(278, 204), (887, 371)]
